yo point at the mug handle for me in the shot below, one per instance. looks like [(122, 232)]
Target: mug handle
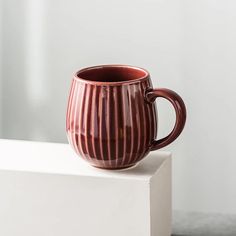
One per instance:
[(180, 111)]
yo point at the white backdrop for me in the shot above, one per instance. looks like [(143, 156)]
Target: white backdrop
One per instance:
[(1, 68), (188, 46)]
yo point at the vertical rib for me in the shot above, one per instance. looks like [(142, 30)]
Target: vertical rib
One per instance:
[(138, 120), (147, 118), (100, 123), (87, 119), (116, 126), (104, 115), (132, 130), (124, 113), (75, 128), (108, 123), (128, 125), (143, 123), (150, 121), (112, 125), (92, 121), (68, 113), (120, 125), (96, 122), (81, 136), (69, 120)]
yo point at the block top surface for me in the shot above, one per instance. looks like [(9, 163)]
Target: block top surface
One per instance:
[(57, 158)]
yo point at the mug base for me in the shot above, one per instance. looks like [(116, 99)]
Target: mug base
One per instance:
[(117, 168)]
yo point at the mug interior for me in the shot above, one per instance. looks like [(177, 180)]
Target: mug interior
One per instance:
[(112, 73)]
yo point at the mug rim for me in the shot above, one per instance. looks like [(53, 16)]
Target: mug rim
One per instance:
[(136, 80)]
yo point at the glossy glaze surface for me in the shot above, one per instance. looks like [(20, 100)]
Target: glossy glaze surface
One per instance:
[(111, 116)]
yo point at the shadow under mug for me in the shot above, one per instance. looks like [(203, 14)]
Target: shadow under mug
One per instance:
[(111, 117)]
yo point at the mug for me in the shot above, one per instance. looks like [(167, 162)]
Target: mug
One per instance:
[(111, 117)]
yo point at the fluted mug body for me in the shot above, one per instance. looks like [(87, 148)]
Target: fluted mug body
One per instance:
[(111, 115)]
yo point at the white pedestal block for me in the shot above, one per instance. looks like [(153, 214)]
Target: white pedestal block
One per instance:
[(46, 190)]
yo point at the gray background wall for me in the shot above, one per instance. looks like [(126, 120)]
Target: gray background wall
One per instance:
[(188, 46)]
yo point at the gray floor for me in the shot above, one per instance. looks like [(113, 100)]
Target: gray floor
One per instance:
[(202, 224)]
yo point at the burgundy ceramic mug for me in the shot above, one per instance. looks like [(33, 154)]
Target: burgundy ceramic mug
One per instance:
[(111, 115)]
